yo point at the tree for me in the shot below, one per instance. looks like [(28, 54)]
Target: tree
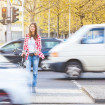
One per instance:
[(82, 12), (87, 12), (34, 7), (58, 17)]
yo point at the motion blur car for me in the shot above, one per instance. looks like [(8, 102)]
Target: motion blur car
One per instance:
[(13, 49), (82, 52), (14, 84)]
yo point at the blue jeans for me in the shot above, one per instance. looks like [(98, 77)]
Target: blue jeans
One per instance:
[(33, 60)]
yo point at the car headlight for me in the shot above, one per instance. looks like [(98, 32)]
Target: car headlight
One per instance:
[(54, 54)]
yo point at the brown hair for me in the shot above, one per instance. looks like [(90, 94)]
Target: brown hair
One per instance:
[(35, 33)]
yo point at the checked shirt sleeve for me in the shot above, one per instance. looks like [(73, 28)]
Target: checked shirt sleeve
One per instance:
[(39, 47), (25, 47)]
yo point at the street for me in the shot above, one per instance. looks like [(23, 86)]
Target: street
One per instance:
[(54, 88), (66, 36)]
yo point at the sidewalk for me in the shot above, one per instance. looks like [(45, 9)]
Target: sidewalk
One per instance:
[(60, 96), (97, 93)]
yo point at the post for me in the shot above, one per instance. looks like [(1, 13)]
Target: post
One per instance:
[(49, 21), (69, 18), (23, 18), (9, 37), (58, 26)]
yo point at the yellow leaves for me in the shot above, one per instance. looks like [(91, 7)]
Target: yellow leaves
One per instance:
[(81, 12), (11, 1), (87, 12), (59, 8)]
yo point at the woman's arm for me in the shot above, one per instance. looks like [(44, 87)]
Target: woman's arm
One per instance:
[(25, 46), (39, 43)]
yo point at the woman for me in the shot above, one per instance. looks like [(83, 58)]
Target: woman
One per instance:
[(32, 51)]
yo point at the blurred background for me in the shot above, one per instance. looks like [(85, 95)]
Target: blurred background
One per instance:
[(55, 18)]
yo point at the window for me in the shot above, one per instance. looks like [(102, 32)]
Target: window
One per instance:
[(94, 36), (49, 44), (12, 46)]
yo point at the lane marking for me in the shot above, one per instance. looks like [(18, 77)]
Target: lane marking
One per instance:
[(54, 91), (77, 84)]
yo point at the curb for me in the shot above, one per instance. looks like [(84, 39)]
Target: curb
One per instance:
[(87, 93), (95, 100)]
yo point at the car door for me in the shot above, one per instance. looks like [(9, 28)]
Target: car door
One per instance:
[(92, 49), (12, 50), (48, 44)]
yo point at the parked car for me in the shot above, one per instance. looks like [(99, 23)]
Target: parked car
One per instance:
[(14, 84), (13, 49), (84, 51)]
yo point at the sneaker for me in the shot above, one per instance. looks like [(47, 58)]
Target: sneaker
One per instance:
[(34, 89)]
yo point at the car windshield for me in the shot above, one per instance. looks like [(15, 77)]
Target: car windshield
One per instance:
[(49, 44), (12, 46), (77, 34)]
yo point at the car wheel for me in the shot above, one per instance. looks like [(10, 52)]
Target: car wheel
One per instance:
[(73, 69)]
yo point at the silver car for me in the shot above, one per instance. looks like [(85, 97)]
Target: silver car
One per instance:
[(14, 84)]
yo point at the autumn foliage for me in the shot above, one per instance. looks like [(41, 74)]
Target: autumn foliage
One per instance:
[(62, 12)]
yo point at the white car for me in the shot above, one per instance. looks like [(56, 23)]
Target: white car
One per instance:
[(83, 51), (14, 84)]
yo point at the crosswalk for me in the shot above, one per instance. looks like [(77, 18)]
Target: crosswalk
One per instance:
[(60, 96)]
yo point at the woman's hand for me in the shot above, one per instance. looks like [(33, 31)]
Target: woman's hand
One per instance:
[(23, 54), (36, 53)]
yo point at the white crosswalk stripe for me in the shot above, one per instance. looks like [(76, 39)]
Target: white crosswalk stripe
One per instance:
[(60, 96)]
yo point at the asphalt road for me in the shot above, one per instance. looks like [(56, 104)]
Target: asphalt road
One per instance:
[(49, 79), (54, 87)]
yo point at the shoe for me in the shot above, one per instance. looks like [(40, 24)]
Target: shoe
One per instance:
[(34, 89)]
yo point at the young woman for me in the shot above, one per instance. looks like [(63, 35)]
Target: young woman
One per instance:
[(32, 51)]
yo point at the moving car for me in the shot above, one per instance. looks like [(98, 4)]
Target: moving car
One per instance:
[(13, 49), (14, 84), (84, 51)]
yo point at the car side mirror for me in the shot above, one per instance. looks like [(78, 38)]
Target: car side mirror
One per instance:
[(17, 51), (84, 41), (14, 50), (1, 50)]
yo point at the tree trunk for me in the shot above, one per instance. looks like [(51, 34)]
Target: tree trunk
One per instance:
[(81, 20), (32, 18), (57, 26)]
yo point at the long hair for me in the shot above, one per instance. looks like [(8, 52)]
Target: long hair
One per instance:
[(35, 33)]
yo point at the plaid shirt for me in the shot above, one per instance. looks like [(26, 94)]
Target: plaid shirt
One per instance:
[(38, 46)]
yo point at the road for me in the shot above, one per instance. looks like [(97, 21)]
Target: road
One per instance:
[(54, 88), (54, 80)]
